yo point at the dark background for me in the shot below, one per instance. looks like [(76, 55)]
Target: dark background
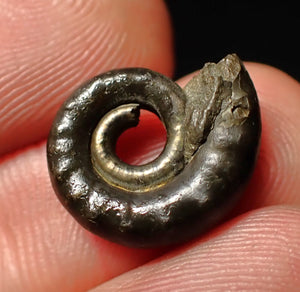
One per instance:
[(208, 30)]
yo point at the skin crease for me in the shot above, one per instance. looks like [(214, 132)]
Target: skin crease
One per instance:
[(44, 249)]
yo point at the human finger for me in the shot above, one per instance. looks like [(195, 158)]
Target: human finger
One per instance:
[(43, 247), (275, 179), (42, 215), (259, 252), (48, 48)]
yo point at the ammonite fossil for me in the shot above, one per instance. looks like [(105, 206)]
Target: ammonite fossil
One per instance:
[(213, 132)]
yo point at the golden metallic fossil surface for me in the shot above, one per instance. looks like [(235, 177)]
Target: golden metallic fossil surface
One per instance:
[(213, 132)]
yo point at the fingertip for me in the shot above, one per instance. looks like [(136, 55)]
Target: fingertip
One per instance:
[(54, 46), (258, 253), (275, 178), (45, 249), (272, 81)]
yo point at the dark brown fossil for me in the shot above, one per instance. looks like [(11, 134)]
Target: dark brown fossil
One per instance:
[(213, 133)]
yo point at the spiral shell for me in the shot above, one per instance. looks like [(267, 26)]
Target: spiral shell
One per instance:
[(213, 132)]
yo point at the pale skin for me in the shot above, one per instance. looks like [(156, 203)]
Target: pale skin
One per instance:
[(47, 49)]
